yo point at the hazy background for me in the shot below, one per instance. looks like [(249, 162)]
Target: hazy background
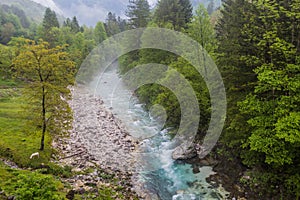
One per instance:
[(89, 12)]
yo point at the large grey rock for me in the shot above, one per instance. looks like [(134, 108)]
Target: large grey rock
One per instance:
[(184, 152)]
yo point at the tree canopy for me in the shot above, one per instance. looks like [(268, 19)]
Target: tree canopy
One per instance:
[(256, 45), (259, 51), (176, 12), (48, 72), (138, 12), (50, 21)]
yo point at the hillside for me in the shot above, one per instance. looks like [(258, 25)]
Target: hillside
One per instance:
[(88, 12), (91, 11), (34, 11), (50, 4)]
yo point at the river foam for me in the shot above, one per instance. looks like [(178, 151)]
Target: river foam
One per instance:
[(157, 175)]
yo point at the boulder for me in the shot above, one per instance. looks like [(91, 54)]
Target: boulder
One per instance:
[(81, 191), (71, 195), (184, 152), (196, 170), (152, 197)]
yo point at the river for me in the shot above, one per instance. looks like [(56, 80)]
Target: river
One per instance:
[(156, 172)]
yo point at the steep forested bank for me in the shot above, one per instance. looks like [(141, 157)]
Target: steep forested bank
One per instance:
[(256, 45), (258, 55)]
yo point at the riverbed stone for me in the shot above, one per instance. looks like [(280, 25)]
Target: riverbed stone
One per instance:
[(98, 140), (96, 134), (196, 170), (184, 152)]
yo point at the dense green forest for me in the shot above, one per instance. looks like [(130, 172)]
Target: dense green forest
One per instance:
[(256, 45)]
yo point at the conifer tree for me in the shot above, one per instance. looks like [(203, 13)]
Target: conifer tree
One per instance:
[(187, 10), (50, 21), (67, 22), (238, 74), (175, 12), (138, 12), (111, 24), (75, 25), (99, 33)]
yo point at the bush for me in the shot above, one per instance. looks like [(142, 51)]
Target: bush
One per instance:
[(34, 186), (293, 185)]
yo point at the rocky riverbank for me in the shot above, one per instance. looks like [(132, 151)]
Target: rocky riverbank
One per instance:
[(100, 146), (226, 177), (98, 143)]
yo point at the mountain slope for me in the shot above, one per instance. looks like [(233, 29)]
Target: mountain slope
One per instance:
[(33, 11), (91, 11), (50, 4), (88, 12)]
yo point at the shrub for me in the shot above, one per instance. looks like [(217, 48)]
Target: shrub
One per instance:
[(34, 186)]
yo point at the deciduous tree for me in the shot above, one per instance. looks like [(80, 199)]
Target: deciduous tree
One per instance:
[(99, 33), (6, 56), (48, 72)]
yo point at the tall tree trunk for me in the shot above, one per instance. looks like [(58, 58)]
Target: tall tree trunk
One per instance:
[(44, 121)]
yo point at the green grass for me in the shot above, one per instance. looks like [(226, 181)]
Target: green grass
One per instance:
[(27, 184), (18, 140), (5, 174), (105, 193), (8, 83)]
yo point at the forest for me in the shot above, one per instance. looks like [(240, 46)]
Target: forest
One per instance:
[(255, 44)]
